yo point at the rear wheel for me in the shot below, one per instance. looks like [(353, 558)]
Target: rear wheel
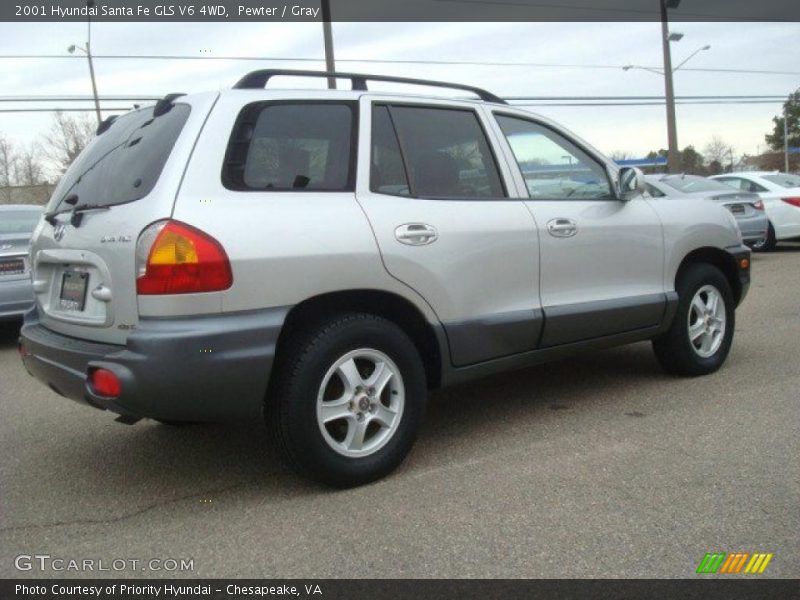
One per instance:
[(700, 337), (768, 243), (348, 401)]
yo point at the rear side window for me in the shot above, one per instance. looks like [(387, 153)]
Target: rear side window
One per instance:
[(123, 163), (292, 147), (442, 153)]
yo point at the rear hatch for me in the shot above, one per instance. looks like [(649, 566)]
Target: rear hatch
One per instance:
[(16, 228), (738, 203), (84, 262)]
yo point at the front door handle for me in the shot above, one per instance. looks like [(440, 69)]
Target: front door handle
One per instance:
[(562, 227), (416, 234)]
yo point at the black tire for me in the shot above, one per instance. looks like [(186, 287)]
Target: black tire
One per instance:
[(769, 243), (291, 408), (674, 349)]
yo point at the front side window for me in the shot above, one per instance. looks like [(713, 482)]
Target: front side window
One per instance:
[(743, 184), (443, 153), (654, 191), (292, 147), (688, 184), (553, 167)]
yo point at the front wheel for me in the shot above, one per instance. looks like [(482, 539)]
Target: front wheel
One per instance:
[(700, 337), (349, 400)]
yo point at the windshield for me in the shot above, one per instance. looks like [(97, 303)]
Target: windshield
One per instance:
[(786, 180), (688, 184), (124, 163), (18, 221)]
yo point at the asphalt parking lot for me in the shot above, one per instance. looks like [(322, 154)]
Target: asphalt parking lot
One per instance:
[(599, 466)]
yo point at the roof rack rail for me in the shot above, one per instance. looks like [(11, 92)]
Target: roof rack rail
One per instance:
[(258, 79)]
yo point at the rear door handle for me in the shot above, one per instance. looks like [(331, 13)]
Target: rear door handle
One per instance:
[(416, 234), (562, 227)]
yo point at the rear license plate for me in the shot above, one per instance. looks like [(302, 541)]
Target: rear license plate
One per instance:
[(73, 290), (737, 209), (12, 266)]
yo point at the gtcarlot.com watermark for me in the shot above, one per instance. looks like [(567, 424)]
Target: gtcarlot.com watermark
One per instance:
[(57, 564)]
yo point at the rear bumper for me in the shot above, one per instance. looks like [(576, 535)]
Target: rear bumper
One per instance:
[(16, 297), (753, 228), (183, 369)]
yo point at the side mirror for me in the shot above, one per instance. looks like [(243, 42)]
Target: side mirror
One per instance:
[(630, 182)]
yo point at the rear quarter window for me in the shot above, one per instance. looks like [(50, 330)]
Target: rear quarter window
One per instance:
[(292, 146)]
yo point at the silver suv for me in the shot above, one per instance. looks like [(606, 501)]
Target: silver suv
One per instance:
[(322, 259)]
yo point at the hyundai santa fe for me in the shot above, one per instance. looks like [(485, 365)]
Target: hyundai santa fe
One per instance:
[(322, 259)]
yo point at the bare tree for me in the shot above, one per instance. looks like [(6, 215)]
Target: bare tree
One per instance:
[(718, 151), (68, 136), (8, 160), (29, 169)]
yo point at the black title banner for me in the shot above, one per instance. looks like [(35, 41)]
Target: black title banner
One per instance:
[(398, 10), (397, 589)]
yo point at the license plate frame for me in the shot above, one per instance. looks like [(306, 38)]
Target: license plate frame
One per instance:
[(74, 287)]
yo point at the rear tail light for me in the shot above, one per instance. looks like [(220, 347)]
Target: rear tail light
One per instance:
[(758, 205), (175, 258), (792, 201), (104, 383)]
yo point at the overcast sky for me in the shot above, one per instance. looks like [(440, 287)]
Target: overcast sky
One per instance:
[(767, 46)]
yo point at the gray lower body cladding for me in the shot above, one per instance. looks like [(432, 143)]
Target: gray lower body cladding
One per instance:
[(184, 369)]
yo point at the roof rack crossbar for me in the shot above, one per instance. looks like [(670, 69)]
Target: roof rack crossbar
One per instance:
[(258, 80)]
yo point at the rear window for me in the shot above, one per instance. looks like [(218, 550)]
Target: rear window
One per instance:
[(783, 179), (691, 183), (301, 146), (123, 163), (18, 221)]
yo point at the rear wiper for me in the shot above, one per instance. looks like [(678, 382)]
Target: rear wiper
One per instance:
[(50, 217), (77, 212)]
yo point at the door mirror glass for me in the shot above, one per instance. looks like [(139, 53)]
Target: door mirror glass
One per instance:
[(631, 183)]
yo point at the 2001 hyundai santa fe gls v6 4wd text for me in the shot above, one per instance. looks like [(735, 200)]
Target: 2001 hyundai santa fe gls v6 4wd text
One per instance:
[(322, 259)]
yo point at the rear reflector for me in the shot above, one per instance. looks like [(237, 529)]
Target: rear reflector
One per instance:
[(758, 205), (792, 201), (104, 383), (181, 260)]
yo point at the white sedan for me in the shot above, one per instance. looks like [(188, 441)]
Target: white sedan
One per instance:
[(780, 193)]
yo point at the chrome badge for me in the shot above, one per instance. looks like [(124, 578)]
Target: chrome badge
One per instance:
[(58, 231)]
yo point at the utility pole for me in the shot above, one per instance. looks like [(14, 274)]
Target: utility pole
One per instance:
[(669, 90), (785, 139), (90, 4), (330, 64)]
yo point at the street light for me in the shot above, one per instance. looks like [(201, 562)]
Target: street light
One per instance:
[(87, 50), (669, 89)]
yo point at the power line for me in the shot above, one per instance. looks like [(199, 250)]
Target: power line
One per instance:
[(575, 103), (62, 109), (467, 63), (154, 97), (604, 9)]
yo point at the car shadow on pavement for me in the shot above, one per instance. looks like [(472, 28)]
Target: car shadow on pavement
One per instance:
[(9, 332), (223, 463), (787, 247)]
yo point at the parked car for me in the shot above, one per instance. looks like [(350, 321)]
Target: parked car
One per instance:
[(780, 193), (321, 259), (746, 207), (17, 222)]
